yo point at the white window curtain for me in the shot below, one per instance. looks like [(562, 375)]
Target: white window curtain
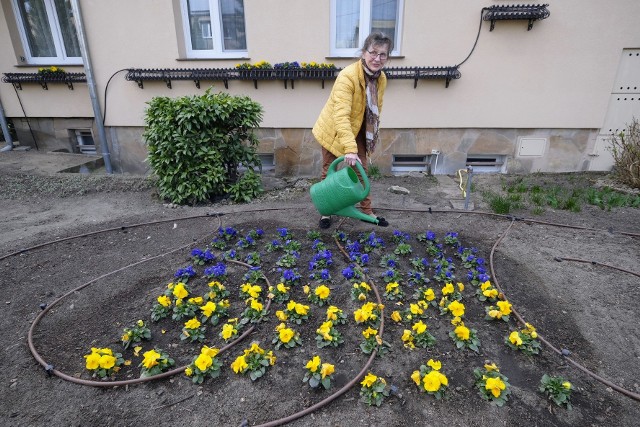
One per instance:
[(48, 31)]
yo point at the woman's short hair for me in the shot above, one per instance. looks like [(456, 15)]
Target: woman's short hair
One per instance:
[(377, 39)]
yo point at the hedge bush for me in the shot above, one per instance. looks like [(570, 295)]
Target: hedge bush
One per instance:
[(198, 143)]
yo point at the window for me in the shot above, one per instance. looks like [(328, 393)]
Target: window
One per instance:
[(84, 141), (353, 20), (214, 28), (48, 31)]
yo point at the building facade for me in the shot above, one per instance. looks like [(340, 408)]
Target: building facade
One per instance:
[(482, 83)]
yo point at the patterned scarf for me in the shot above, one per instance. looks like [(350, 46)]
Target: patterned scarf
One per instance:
[(371, 116)]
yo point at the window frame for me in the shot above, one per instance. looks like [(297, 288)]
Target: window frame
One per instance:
[(54, 23), (217, 35), (365, 22)]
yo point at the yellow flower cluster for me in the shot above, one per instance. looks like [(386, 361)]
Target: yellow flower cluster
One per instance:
[(100, 358), (250, 291), (360, 291), (252, 358), (369, 312), (500, 311), (315, 365), (430, 378)]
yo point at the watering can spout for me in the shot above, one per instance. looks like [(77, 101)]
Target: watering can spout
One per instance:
[(352, 212), (340, 191)]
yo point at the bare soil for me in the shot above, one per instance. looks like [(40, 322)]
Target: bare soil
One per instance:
[(585, 308)]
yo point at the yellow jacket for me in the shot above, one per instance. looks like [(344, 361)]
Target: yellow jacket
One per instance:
[(342, 116)]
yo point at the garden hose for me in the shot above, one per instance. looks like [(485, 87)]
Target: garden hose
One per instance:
[(464, 192), (51, 370)]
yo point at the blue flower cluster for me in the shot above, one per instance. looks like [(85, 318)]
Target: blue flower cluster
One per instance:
[(218, 271), (184, 274)]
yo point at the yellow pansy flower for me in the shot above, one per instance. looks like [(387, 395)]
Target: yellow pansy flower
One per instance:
[(415, 376), (435, 364), (164, 301), (208, 308), (486, 285), (239, 365), (179, 291), (491, 367), (566, 385), (369, 332), (286, 334), (136, 350), (313, 364), (429, 295), (415, 309), (281, 315), (107, 361), (396, 316), (505, 307), (419, 327), (256, 305), (188, 371), (369, 380), (301, 309), (210, 351), (431, 381), (322, 292), (282, 288), (192, 324), (326, 370), (447, 289), (150, 359), (203, 361), (515, 339), (228, 331), (456, 308), (460, 286), (462, 332), (93, 361), (495, 386)]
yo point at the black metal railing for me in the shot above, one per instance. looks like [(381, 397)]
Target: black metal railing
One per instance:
[(287, 75), (44, 78), (424, 73), (530, 12)]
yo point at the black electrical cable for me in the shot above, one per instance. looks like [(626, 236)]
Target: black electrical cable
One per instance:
[(26, 118), (104, 117), (477, 37)]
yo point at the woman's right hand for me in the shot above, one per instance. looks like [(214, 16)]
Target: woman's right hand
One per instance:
[(351, 159)]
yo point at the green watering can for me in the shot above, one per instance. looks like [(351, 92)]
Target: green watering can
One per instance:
[(340, 191)]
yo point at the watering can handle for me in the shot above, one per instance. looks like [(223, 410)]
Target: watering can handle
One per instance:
[(363, 174)]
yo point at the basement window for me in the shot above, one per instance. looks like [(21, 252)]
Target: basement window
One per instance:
[(405, 163), (486, 163), (84, 141), (267, 161)]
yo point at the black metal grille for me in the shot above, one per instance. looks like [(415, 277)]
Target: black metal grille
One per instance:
[(425, 73), (287, 75), (530, 12), (44, 78)]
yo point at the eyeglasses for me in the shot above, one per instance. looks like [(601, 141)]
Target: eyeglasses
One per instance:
[(374, 55)]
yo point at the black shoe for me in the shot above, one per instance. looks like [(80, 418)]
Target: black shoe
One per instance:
[(381, 222), (325, 223)]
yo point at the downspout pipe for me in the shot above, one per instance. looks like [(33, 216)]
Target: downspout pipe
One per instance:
[(88, 70), (5, 130)]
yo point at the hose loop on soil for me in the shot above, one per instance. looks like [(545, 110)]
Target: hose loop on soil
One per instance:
[(563, 353), (51, 370)]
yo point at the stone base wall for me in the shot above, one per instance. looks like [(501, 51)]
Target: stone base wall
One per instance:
[(296, 152)]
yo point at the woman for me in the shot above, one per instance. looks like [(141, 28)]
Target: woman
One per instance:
[(348, 123)]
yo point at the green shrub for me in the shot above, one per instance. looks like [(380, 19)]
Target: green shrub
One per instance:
[(625, 148), (197, 143)]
